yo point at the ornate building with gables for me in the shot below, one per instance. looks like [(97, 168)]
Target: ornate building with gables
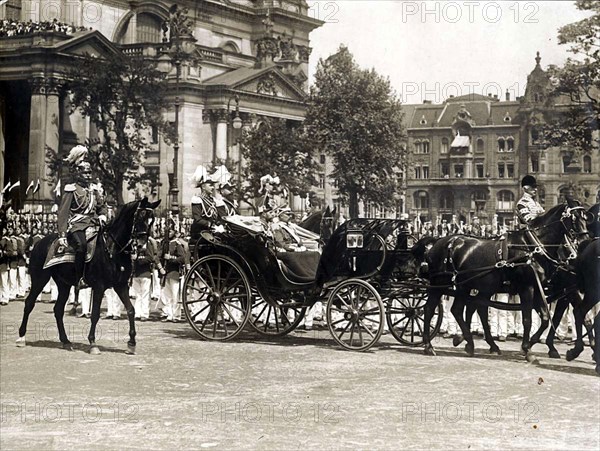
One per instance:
[(249, 61), (468, 155)]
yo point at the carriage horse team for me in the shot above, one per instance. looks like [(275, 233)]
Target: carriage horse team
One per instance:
[(268, 271)]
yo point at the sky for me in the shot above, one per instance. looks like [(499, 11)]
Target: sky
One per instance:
[(430, 50)]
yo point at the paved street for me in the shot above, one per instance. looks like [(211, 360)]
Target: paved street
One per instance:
[(297, 392)]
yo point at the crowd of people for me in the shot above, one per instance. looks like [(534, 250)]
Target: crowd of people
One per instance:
[(10, 28), (161, 262)]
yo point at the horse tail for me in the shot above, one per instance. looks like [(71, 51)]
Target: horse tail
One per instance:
[(40, 252)]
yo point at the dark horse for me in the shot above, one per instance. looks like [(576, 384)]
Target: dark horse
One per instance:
[(473, 269), (110, 266), (322, 222)]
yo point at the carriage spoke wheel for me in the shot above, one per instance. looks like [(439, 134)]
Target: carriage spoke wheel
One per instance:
[(405, 316), (355, 315), (276, 318), (216, 297)]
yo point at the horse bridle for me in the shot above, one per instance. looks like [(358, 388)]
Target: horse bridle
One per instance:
[(133, 235)]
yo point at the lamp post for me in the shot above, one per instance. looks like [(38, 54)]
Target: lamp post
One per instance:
[(236, 123), (180, 45)]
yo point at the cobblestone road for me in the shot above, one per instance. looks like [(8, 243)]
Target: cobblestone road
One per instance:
[(294, 392)]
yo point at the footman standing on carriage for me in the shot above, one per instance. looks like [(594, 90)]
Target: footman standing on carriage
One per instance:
[(82, 206)]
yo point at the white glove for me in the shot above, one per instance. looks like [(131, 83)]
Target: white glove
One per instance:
[(102, 219), (62, 242), (219, 228)]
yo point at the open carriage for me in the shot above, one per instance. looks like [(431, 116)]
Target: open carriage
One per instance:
[(365, 274)]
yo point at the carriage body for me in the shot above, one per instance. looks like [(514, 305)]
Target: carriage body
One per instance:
[(239, 277)]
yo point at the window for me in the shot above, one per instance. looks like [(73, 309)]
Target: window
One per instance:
[(425, 172), (148, 28), (478, 200), (565, 163), (445, 170), (500, 170), (458, 171), (535, 164), (418, 147), (322, 159), (445, 145), (421, 200), (446, 201), (510, 144), (535, 135), (480, 145), (418, 172), (501, 145), (510, 170), (154, 130), (479, 169), (587, 164), (506, 200), (322, 181), (425, 146)]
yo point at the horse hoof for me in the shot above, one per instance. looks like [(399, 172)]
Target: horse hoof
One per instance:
[(531, 358), (67, 346), (95, 350), (130, 350), (554, 354), (457, 340), (496, 351), (21, 342), (572, 354), (429, 351), (470, 349)]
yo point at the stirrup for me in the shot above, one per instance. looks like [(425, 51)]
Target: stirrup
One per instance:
[(82, 284)]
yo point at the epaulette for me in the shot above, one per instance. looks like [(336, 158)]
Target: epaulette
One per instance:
[(70, 187)]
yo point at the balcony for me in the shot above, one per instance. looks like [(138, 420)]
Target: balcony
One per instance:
[(152, 50)]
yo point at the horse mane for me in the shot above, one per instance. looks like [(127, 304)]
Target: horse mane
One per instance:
[(421, 247), (119, 223)]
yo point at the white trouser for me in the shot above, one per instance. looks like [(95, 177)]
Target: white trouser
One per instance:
[(22, 281), (171, 298), (4, 286), (449, 323), (499, 318), (85, 300), (141, 291), (156, 285), (12, 283), (113, 303)]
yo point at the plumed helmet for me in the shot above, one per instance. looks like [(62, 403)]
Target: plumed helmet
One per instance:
[(268, 179), (76, 156), (529, 180), (201, 176), (221, 176)]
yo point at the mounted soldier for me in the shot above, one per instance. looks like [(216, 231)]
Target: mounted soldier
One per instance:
[(82, 207), (528, 208)]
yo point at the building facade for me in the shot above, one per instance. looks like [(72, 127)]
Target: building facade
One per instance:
[(467, 156), (249, 61)]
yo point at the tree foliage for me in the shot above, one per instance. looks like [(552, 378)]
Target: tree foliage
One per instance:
[(356, 118), (124, 98), (578, 83), (277, 147)]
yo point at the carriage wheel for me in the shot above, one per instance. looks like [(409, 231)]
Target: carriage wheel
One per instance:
[(355, 315), (216, 297), (276, 320), (405, 316)]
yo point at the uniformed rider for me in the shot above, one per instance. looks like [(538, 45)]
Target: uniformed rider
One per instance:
[(82, 206), (528, 208)]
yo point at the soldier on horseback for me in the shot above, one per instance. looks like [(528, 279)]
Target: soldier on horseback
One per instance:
[(528, 208), (82, 206)]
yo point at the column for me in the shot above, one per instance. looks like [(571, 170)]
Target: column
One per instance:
[(37, 131), (222, 136), (52, 132)]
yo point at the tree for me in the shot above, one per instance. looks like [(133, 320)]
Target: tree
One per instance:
[(124, 98), (277, 147), (356, 118), (578, 82)]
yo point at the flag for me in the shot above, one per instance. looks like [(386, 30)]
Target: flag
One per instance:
[(6, 187), (37, 187), (29, 187), (17, 184), (57, 189)]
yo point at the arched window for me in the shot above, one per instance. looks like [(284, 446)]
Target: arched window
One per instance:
[(506, 200), (478, 200), (446, 200), (445, 145), (425, 146), (535, 135), (418, 146), (501, 145), (587, 164), (565, 160), (510, 144), (148, 28), (480, 145), (421, 200)]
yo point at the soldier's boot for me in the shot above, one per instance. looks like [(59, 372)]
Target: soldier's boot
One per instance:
[(79, 268)]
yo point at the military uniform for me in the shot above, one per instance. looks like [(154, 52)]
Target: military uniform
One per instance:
[(147, 257), (528, 209), (4, 281), (175, 257)]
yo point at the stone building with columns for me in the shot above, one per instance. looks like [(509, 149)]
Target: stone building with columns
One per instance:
[(249, 61), (469, 154)]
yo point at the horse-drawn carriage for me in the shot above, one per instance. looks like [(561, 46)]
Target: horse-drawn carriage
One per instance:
[(365, 272)]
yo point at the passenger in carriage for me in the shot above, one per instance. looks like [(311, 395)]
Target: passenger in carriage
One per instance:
[(225, 204), (204, 208), (285, 236), (274, 195)]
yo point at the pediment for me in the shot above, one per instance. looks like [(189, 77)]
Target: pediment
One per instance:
[(272, 83), (92, 43)]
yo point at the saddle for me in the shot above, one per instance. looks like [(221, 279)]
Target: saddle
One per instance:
[(57, 254)]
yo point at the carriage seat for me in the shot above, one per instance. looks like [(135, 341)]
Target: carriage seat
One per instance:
[(299, 267)]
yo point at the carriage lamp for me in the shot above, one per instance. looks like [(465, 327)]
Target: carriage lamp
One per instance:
[(354, 240)]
